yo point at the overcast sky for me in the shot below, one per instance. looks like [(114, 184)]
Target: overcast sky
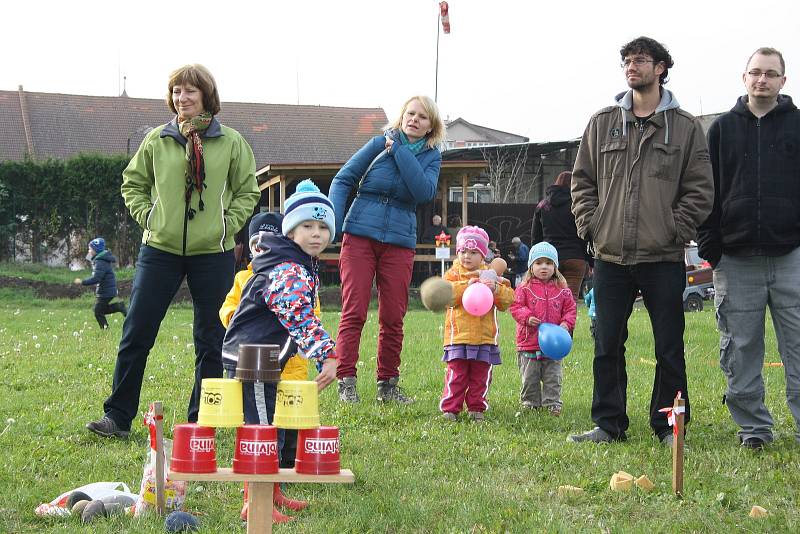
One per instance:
[(534, 68)]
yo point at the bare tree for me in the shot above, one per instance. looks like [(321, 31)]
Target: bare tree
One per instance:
[(506, 172)]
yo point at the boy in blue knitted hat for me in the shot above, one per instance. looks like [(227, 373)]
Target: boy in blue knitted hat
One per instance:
[(277, 303), (106, 281)]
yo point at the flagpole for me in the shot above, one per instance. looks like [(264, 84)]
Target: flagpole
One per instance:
[(436, 78)]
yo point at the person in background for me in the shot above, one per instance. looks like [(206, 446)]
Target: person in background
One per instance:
[(752, 240), (591, 311), (106, 281), (392, 174), (641, 185), (190, 186), (519, 260), (554, 222), (433, 230)]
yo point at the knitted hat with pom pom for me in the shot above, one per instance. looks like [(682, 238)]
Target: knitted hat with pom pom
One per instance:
[(308, 204), (543, 250)]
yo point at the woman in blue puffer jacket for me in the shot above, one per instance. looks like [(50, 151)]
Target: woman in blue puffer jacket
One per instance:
[(392, 174)]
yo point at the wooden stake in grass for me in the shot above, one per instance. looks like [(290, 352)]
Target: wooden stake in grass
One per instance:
[(157, 410), (675, 414), (678, 409)]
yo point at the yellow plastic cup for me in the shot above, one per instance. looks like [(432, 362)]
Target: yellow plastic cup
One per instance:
[(297, 404), (220, 403)]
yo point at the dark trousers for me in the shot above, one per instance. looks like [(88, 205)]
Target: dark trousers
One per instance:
[(615, 289), (103, 307), (158, 276)]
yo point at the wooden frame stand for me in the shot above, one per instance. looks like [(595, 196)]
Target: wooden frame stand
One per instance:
[(259, 499)]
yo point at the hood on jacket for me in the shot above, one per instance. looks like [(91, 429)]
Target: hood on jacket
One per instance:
[(557, 195), (785, 105), (625, 101), (106, 255), (279, 249)]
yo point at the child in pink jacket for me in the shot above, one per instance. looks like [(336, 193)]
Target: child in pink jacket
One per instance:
[(543, 297)]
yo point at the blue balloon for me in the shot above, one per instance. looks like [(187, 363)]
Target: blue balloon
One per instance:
[(554, 341)]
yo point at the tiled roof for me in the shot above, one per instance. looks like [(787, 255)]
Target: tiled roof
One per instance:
[(483, 133), (65, 125)]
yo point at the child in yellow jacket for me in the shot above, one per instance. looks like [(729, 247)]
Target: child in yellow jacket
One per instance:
[(470, 342), (296, 367)]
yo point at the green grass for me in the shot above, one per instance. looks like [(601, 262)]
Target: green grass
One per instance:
[(54, 275), (414, 472)]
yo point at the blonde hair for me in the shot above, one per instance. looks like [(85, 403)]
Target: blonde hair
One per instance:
[(561, 282), (438, 132)]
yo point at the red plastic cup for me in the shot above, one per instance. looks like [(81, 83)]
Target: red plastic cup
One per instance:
[(318, 451), (194, 449), (256, 450)]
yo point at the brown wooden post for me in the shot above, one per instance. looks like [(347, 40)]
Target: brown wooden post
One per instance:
[(282, 193), (158, 415), (445, 189), (271, 197), (678, 409), (464, 185)]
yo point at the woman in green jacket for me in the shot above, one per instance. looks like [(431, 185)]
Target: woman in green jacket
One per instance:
[(190, 186)]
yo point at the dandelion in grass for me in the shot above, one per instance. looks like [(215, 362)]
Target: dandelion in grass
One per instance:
[(35, 337), (38, 346)]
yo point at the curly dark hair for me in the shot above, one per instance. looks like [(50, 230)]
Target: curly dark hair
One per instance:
[(654, 49)]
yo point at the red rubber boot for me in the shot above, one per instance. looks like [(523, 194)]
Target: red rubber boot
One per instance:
[(281, 500), (277, 516)]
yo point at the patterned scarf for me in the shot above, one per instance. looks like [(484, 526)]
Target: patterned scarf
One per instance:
[(415, 147), (196, 167)]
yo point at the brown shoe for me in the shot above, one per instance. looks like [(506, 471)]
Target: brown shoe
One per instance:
[(476, 416), (555, 411)]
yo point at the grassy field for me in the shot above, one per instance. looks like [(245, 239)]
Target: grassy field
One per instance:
[(414, 472)]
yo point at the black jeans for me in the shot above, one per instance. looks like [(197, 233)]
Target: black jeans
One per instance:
[(158, 276), (615, 289), (103, 307)]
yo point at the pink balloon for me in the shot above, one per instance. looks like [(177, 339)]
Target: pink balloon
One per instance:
[(477, 299)]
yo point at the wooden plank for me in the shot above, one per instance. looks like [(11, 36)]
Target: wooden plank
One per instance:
[(226, 474), (259, 507)]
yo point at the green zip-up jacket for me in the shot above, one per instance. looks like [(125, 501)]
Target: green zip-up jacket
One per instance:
[(154, 184)]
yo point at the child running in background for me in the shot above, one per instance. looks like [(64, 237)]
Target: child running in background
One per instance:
[(470, 343), (106, 281), (543, 297), (276, 306)]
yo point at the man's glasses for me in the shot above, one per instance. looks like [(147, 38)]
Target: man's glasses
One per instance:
[(638, 61), (757, 74)]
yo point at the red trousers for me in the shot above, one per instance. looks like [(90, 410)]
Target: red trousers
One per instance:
[(363, 260), (466, 381)]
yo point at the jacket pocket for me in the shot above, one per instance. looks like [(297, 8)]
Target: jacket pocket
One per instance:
[(666, 161), (612, 159)]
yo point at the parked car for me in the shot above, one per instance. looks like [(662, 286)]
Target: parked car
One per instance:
[(699, 281)]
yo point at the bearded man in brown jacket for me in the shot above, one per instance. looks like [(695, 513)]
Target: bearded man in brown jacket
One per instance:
[(641, 185)]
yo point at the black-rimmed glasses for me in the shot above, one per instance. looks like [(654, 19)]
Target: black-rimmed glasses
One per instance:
[(638, 61)]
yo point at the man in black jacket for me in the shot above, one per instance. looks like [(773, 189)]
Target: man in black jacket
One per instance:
[(751, 239)]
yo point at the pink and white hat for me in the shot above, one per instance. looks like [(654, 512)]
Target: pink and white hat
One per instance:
[(473, 238)]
